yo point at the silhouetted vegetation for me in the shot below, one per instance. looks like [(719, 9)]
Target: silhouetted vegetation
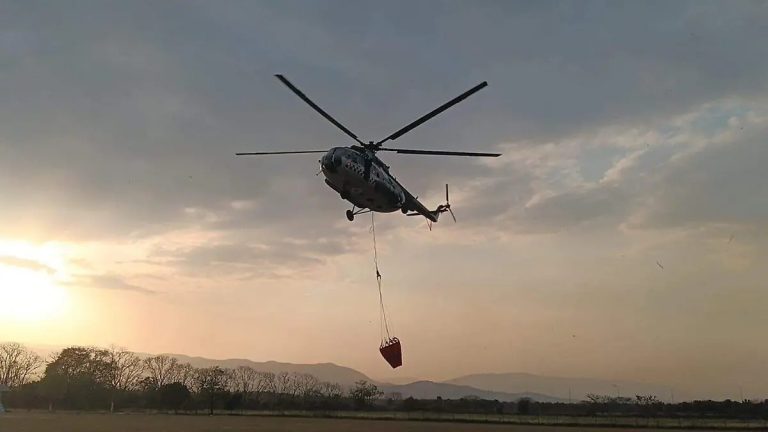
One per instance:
[(363, 394), (83, 378)]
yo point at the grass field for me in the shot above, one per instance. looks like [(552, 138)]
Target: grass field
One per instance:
[(22, 421)]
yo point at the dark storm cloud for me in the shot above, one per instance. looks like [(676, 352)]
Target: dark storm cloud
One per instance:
[(119, 116)]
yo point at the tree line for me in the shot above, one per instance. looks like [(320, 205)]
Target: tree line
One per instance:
[(86, 378), (94, 378)]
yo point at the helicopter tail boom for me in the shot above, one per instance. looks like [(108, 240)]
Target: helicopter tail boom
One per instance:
[(434, 215)]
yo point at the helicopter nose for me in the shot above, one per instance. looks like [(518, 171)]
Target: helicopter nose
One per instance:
[(328, 162)]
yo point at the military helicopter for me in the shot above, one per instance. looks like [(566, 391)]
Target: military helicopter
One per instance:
[(360, 177)]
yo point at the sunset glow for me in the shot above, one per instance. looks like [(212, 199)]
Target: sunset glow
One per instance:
[(30, 286)]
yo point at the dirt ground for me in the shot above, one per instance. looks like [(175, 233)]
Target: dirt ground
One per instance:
[(19, 421)]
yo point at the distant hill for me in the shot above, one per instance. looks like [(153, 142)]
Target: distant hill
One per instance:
[(323, 371), (348, 376), (579, 387), (399, 380), (501, 386), (431, 390)]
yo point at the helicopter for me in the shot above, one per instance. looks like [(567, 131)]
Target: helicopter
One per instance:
[(360, 177)]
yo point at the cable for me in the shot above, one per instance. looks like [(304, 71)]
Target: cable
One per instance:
[(383, 312)]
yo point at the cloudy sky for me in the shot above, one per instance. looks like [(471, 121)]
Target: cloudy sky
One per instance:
[(633, 136)]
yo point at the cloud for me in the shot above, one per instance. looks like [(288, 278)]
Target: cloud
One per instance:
[(26, 264), (719, 182), (240, 260), (149, 116), (107, 281), (692, 170)]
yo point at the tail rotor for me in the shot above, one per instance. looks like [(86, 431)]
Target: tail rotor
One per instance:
[(448, 204), (442, 208)]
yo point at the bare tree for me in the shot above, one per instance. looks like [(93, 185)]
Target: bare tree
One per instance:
[(246, 379), (282, 382), (294, 384), (265, 382), (331, 390), (125, 370), (186, 374), (363, 393), (230, 380), (162, 369), (209, 382), (307, 385), (17, 364)]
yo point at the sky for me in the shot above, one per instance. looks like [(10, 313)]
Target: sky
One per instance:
[(622, 234)]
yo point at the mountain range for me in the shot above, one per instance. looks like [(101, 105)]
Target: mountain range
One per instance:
[(575, 389), (500, 386)]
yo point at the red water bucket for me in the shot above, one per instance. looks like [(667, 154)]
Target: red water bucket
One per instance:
[(391, 351)]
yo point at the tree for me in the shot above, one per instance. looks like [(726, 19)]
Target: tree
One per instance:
[(331, 390), (210, 382), (174, 396), (524, 406), (185, 374), (81, 361), (646, 399), (411, 404), (308, 385), (230, 383), (265, 382), (125, 369), (79, 376), (17, 364), (162, 369), (53, 387), (293, 383), (282, 382), (245, 379), (363, 393)]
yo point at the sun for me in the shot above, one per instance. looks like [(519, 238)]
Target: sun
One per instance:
[(29, 288)]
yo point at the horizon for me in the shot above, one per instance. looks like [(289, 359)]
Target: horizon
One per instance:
[(397, 381), (622, 234)]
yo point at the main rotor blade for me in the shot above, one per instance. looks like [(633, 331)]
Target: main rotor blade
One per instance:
[(434, 112), (280, 152), (316, 107), (439, 152)]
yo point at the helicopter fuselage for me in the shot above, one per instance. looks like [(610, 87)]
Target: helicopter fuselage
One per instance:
[(362, 179)]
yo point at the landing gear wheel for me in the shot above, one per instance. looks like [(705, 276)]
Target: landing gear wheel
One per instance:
[(350, 215)]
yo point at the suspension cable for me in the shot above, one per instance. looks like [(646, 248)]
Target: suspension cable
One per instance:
[(382, 312)]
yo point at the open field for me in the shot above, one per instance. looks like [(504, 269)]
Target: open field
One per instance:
[(22, 421)]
